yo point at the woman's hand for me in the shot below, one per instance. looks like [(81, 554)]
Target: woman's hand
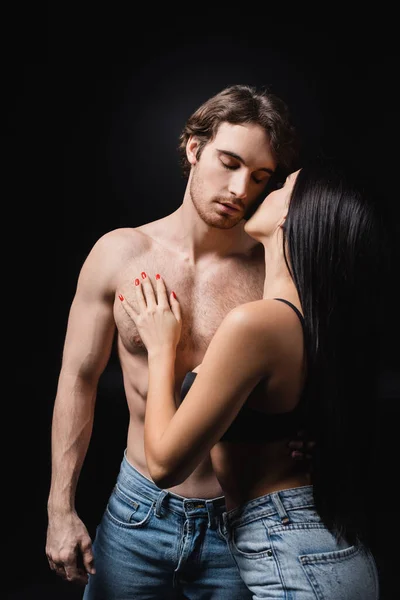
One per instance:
[(158, 318)]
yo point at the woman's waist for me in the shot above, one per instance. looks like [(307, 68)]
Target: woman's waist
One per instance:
[(278, 501), (249, 471), (240, 495)]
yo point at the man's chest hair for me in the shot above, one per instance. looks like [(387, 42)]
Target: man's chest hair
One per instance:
[(205, 296)]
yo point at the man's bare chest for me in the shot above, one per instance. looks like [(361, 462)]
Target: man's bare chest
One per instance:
[(205, 294)]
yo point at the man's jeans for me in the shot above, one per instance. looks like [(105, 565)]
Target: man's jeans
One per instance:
[(151, 544)]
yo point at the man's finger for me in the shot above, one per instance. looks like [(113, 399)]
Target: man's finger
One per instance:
[(72, 571), (88, 561), (55, 566), (58, 568), (76, 574), (297, 455)]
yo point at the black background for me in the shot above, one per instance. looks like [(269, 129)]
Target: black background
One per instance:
[(96, 99)]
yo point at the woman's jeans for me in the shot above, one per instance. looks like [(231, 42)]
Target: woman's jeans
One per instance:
[(154, 545), (284, 552)]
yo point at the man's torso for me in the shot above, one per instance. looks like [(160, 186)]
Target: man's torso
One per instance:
[(207, 291)]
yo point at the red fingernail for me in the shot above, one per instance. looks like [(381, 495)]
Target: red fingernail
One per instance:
[(157, 276), (120, 296), (137, 281), (143, 274), (174, 295)]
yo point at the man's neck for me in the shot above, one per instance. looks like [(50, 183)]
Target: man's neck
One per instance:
[(197, 240)]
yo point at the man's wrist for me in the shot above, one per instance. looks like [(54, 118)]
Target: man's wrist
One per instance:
[(60, 509)]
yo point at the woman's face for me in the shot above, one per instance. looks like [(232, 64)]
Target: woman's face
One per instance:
[(271, 213)]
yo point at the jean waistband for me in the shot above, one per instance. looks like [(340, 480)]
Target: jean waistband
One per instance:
[(276, 503), (136, 482)]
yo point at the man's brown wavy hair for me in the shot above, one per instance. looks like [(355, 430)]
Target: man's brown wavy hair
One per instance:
[(240, 104)]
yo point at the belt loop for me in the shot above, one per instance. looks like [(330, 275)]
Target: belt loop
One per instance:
[(212, 514), (277, 502), (225, 523), (159, 502)]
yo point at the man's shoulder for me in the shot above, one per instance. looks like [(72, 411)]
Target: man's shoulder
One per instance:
[(113, 252), (141, 236), (124, 239), (115, 249), (157, 228)]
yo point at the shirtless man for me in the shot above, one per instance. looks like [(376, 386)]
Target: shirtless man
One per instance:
[(153, 543)]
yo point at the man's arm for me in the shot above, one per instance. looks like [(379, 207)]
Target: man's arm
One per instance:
[(87, 349)]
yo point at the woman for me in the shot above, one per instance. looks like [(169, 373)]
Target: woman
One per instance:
[(302, 355)]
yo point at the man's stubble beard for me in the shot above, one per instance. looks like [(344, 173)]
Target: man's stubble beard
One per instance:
[(209, 213)]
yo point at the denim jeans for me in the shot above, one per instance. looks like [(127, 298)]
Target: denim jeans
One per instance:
[(284, 552), (152, 544)]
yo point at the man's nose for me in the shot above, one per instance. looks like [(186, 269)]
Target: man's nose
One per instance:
[(239, 184)]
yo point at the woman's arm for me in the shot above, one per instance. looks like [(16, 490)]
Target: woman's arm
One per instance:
[(176, 440)]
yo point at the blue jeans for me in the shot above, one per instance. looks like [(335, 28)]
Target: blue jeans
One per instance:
[(152, 544), (284, 552)]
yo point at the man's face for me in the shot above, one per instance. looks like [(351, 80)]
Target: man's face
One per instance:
[(231, 173)]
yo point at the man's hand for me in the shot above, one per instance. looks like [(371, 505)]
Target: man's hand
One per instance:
[(301, 448), (69, 548)]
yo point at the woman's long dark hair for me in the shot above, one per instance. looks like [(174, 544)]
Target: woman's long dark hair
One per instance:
[(333, 243)]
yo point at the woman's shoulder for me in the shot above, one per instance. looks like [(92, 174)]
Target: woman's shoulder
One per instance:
[(267, 311), (266, 319)]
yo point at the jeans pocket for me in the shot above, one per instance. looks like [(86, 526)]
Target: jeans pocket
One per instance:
[(251, 540), (129, 511), (342, 574)]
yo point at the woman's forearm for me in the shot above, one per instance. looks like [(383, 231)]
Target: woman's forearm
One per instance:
[(160, 408)]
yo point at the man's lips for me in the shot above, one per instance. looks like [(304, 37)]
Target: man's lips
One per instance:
[(230, 207)]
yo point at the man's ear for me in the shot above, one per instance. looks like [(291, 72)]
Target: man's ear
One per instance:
[(191, 149)]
